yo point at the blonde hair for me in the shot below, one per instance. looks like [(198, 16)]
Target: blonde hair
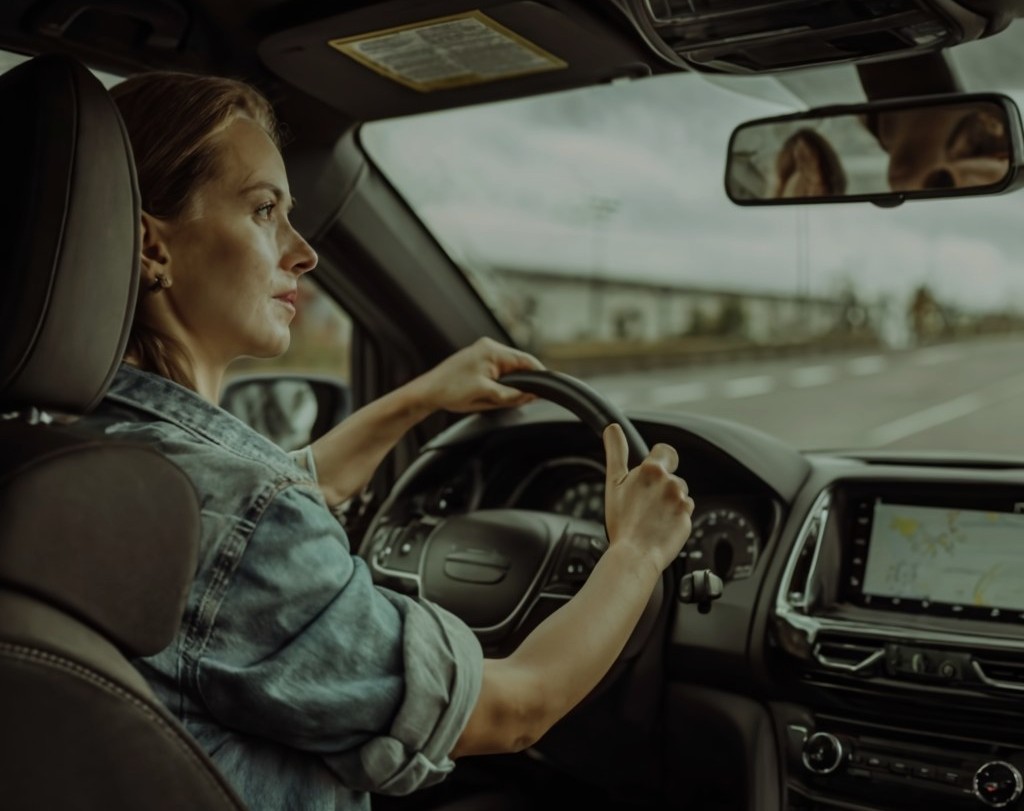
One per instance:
[(171, 119)]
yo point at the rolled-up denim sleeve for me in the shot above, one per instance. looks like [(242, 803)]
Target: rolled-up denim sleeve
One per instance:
[(303, 457), (306, 651)]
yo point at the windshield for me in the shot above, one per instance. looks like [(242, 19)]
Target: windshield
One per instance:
[(595, 224)]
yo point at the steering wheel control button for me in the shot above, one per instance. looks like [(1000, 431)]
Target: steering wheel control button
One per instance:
[(404, 548), (998, 783), (582, 552), (823, 753)]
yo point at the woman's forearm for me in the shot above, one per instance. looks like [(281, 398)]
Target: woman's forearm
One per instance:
[(564, 658), (348, 454)]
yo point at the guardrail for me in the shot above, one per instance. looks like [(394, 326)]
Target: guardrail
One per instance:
[(596, 358)]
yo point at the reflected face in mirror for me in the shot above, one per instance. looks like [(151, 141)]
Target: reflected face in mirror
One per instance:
[(807, 166), (944, 147)]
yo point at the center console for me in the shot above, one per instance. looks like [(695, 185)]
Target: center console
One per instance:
[(899, 634)]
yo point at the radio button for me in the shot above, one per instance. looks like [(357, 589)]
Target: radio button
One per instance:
[(997, 784), (823, 753)]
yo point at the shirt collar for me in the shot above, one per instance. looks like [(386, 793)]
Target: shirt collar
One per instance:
[(166, 400)]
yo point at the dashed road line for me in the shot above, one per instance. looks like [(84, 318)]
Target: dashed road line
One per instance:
[(866, 365), (692, 391), (939, 354), (679, 393), (812, 376), (748, 386)]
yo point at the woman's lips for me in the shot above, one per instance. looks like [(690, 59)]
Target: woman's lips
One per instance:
[(288, 298)]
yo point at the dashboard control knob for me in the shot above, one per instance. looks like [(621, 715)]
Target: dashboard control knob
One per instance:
[(998, 783), (823, 753)]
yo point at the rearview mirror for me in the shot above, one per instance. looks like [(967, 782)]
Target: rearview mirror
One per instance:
[(882, 152), (290, 410)]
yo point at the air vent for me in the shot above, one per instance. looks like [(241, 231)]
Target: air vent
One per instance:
[(848, 654), (1000, 671), (741, 36), (798, 586)]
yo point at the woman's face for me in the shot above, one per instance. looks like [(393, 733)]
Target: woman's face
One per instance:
[(234, 258), (945, 147)]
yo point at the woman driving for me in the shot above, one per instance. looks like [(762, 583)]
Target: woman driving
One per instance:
[(307, 684)]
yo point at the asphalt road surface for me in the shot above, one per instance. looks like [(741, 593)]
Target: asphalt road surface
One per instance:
[(964, 396)]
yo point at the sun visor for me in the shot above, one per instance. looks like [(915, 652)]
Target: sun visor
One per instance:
[(400, 58)]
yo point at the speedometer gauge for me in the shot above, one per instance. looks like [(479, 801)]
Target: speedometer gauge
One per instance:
[(725, 541)]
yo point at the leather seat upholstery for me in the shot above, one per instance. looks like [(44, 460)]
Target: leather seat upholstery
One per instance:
[(98, 538)]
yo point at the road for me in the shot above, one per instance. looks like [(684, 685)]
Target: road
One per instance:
[(965, 396)]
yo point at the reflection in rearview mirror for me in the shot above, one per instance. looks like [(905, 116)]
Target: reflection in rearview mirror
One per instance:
[(885, 152)]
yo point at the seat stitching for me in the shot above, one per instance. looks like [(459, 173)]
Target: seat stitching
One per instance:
[(20, 652)]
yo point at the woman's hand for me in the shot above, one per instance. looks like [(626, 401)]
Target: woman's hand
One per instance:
[(522, 695), (647, 507), (465, 381)]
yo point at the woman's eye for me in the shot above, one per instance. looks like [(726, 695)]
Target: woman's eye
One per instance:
[(265, 210)]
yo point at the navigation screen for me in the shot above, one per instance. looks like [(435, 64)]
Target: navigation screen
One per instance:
[(963, 558)]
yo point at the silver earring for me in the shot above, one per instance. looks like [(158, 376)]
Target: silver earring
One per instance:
[(160, 283)]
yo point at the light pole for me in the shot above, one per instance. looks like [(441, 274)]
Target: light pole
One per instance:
[(601, 210)]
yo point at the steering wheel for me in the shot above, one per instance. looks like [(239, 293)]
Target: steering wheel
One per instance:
[(500, 570)]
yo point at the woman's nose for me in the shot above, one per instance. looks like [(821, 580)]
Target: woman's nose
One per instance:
[(302, 258)]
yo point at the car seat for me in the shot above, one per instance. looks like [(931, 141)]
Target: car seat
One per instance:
[(98, 538)]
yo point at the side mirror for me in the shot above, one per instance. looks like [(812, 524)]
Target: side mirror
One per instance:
[(290, 410), (881, 152)]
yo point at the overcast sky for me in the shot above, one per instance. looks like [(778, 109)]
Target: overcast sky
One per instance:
[(626, 180)]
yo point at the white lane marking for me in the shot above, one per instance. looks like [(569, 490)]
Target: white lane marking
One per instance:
[(679, 393), (929, 418), (748, 386), (813, 376), (939, 354), (867, 365)]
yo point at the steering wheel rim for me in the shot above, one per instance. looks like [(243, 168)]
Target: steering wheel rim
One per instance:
[(592, 408)]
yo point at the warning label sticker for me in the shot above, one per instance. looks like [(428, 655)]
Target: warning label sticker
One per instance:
[(463, 49)]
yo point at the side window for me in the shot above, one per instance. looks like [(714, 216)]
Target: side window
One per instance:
[(298, 396)]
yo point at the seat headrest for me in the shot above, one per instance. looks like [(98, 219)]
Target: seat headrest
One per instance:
[(69, 224)]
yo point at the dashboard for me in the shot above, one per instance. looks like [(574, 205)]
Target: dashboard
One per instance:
[(899, 624), (867, 652)]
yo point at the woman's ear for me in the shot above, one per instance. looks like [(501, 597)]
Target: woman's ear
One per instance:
[(155, 256)]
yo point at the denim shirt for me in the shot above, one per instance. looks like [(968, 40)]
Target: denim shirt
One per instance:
[(306, 684)]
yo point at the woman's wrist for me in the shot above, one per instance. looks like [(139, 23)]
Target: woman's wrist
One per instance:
[(636, 558), (417, 398)]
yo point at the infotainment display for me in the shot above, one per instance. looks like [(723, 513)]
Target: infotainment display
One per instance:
[(952, 560)]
